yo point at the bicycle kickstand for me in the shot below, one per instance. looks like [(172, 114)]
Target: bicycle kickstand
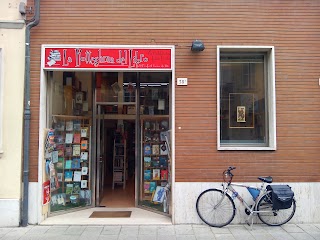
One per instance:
[(250, 223)]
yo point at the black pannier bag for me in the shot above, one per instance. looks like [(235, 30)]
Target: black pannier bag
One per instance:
[(282, 196)]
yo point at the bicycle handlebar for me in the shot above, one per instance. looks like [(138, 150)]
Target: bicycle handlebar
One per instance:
[(227, 173), (231, 168)]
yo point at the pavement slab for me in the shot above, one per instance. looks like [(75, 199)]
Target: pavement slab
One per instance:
[(162, 232)]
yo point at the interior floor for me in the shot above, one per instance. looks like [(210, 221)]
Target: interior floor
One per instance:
[(118, 197)]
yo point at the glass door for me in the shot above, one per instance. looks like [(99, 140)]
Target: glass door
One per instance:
[(154, 105), (115, 112), (100, 154)]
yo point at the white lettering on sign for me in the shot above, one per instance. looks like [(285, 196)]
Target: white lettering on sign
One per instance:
[(182, 81)]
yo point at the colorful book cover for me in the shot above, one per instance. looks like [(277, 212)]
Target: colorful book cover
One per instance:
[(77, 176), (147, 149), (76, 150), (146, 187), (147, 137), (147, 125), (155, 149), (147, 161), (164, 174), (163, 136), (84, 183), (84, 144), (155, 162), (77, 125), (156, 174), (159, 194), (76, 188), (76, 138), (163, 161), (54, 156), (84, 132), (61, 159), (75, 163), (68, 152), (68, 164), (52, 184), (84, 156), (69, 138), (163, 149), (68, 176), (153, 186), (60, 177), (58, 139), (84, 171), (59, 126), (69, 126), (69, 188), (155, 137), (60, 149), (147, 174), (59, 165), (164, 125)]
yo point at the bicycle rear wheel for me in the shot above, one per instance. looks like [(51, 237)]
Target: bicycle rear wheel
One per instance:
[(274, 217), (215, 208)]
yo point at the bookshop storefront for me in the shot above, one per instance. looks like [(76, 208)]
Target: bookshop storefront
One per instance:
[(107, 119)]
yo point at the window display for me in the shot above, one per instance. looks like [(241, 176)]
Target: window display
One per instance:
[(243, 102), (68, 162), (156, 162)]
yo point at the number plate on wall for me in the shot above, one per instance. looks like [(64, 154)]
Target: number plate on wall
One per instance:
[(182, 81)]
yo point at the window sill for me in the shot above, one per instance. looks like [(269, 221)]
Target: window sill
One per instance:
[(247, 148)]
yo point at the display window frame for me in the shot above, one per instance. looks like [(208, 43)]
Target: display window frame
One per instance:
[(270, 110), (44, 121)]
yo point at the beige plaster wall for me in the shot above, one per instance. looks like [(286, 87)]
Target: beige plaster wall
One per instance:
[(12, 59), (9, 10)]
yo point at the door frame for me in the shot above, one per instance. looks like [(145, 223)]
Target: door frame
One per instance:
[(41, 214)]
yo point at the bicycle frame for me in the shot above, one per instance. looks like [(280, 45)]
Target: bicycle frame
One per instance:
[(235, 194)]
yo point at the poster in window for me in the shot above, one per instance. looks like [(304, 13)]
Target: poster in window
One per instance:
[(241, 114), (241, 110)]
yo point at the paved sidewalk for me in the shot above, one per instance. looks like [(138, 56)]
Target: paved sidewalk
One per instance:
[(161, 232)]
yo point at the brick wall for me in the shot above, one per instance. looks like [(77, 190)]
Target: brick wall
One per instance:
[(292, 27)]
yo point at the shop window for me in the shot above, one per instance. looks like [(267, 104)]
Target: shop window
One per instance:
[(246, 98), (1, 99)]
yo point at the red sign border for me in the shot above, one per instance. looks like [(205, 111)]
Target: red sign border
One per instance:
[(106, 47)]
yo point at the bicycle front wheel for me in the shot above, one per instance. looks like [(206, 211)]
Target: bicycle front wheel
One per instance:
[(274, 217), (215, 208)]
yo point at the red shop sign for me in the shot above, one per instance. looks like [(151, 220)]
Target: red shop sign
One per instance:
[(107, 58)]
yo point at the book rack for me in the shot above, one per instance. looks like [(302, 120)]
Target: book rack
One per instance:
[(155, 155), (119, 161), (70, 162)]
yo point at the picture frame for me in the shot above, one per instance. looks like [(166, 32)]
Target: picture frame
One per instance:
[(241, 114), (241, 110)]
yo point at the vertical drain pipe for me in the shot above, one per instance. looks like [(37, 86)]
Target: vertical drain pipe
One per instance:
[(27, 115)]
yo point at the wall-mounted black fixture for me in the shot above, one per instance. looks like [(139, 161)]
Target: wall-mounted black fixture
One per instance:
[(197, 46)]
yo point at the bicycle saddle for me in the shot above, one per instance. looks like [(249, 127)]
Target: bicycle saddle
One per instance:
[(266, 179)]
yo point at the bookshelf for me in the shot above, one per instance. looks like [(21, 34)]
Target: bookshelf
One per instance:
[(155, 155), (119, 161), (70, 162)]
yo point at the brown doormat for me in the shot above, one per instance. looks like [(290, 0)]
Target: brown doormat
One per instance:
[(110, 214)]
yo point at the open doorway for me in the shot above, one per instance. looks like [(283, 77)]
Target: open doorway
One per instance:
[(116, 138), (133, 161), (117, 156)]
